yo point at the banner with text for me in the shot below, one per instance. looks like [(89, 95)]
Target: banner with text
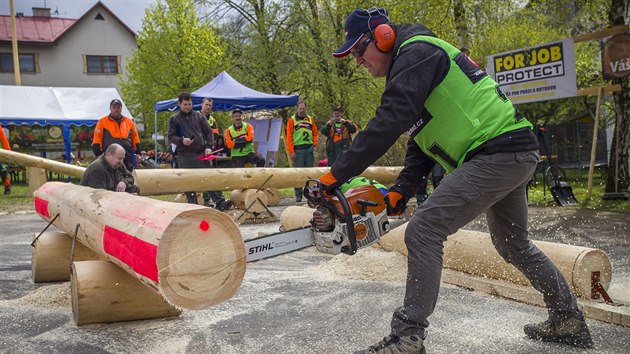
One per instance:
[(540, 73)]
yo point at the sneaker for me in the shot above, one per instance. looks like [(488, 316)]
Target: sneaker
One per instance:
[(394, 344), (572, 331), (208, 204), (298, 199), (7, 189), (224, 205)]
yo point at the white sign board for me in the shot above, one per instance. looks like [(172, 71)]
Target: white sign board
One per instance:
[(267, 138), (540, 73)]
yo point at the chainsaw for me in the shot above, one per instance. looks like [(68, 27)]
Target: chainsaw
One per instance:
[(342, 223)]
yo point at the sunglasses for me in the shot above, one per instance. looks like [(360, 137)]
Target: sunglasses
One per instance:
[(360, 49)]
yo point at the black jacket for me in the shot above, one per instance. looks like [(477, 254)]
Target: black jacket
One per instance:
[(192, 125), (100, 175), (412, 76)]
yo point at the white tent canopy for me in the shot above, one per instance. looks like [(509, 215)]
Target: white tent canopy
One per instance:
[(65, 106), (55, 105)]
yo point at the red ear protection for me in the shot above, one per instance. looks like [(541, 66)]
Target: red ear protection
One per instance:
[(384, 37)]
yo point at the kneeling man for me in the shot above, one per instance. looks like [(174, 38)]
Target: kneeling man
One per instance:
[(109, 172)]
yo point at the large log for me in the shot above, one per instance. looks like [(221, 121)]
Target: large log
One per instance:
[(102, 292), (47, 164), (51, 256), (171, 181), (192, 255), (473, 253)]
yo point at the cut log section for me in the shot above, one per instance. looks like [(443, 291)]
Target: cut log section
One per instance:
[(172, 181), (194, 256), (51, 256), (295, 217), (473, 253), (102, 292), (273, 196), (251, 200)]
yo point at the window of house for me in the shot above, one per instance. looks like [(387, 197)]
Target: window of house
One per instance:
[(28, 63), (101, 64)]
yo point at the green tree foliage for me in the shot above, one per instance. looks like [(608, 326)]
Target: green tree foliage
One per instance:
[(176, 53)]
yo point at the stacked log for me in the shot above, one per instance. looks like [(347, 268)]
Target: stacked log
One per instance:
[(273, 196), (191, 255), (51, 256), (102, 292), (252, 200)]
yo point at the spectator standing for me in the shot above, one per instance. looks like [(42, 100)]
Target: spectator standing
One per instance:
[(4, 174), (109, 172), (239, 138), (116, 128), (189, 131), (338, 132), (206, 111), (301, 140)]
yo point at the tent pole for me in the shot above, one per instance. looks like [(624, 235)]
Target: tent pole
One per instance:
[(155, 135), (65, 130)]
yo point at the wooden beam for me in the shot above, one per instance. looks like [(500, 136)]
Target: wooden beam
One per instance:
[(46, 164), (593, 91), (600, 34)]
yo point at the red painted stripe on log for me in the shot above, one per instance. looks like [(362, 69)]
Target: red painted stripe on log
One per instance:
[(140, 255), (139, 215), (41, 207)]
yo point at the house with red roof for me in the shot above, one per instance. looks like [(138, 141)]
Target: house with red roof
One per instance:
[(90, 51)]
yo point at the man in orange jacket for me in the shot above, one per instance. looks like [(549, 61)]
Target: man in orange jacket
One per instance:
[(4, 174), (116, 128)]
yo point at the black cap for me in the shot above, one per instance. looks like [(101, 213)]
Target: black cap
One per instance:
[(237, 110), (358, 23), (115, 101)]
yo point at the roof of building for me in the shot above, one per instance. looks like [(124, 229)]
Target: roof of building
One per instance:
[(46, 30)]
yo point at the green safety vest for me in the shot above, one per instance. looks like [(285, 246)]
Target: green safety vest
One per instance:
[(242, 151), (302, 130), (465, 112)]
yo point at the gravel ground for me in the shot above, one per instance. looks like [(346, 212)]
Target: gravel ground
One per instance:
[(304, 302)]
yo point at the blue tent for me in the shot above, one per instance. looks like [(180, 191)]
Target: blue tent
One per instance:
[(228, 94)]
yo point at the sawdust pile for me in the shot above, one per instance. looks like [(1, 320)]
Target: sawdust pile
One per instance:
[(367, 264), (48, 296)]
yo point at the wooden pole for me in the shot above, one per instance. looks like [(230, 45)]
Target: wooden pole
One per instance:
[(192, 255), (14, 46), (171, 181), (591, 167), (102, 292), (36, 178), (51, 256), (473, 253), (47, 164)]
